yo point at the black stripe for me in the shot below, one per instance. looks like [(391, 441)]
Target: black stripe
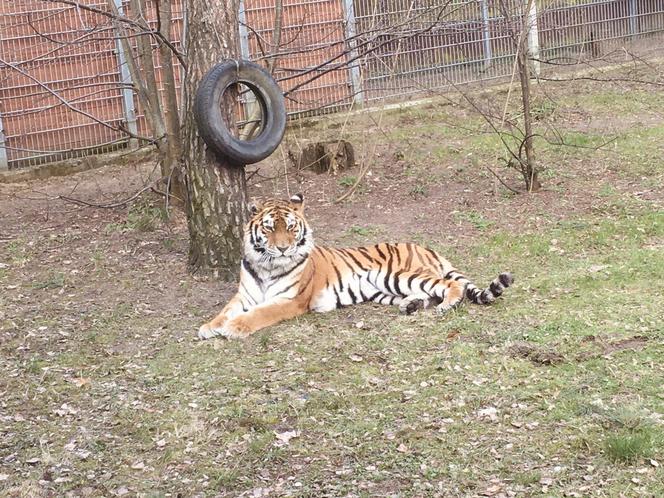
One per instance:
[(449, 274), (434, 282), (380, 253), (458, 277), (343, 258), (432, 262), (410, 280), (409, 260), (303, 240), (350, 255), (366, 254), (303, 287), (504, 279), (373, 298), (251, 271), (398, 253), (388, 273), (287, 288), (397, 287), (337, 296), (352, 295), (423, 282), (242, 286), (287, 272), (364, 298), (341, 282)]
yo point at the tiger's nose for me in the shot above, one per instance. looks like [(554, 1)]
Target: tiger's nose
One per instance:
[(282, 249)]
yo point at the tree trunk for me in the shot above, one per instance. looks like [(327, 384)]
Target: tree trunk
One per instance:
[(530, 169), (217, 200), (173, 151)]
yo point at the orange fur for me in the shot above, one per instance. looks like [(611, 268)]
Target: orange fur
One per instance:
[(284, 275)]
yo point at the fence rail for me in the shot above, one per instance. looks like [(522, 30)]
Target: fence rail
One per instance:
[(65, 89)]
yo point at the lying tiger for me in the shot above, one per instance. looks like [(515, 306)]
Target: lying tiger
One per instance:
[(284, 275)]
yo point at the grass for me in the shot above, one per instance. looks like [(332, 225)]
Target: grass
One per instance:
[(628, 446), (396, 406), (111, 394)]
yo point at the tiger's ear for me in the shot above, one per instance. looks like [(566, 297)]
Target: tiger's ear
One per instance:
[(254, 207), (297, 202)]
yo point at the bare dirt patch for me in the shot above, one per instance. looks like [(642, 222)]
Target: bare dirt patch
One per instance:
[(537, 354)]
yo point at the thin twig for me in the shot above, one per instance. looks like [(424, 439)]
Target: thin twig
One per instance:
[(111, 205), (501, 180)]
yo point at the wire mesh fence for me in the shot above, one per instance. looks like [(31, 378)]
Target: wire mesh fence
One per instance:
[(65, 89)]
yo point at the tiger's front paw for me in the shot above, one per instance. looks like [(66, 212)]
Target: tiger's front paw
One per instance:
[(208, 331), (232, 329), (237, 328)]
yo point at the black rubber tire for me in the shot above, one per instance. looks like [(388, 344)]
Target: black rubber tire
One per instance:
[(211, 125)]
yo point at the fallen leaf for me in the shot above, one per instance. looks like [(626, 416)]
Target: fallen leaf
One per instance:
[(33, 461), (402, 448), (453, 334), (355, 357), (138, 466), (161, 443), (492, 490), (490, 413), (283, 438), (81, 382), (654, 463)]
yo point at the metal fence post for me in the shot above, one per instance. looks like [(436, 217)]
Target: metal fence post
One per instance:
[(354, 66), (633, 28), (4, 161), (244, 33), (127, 90), (533, 36), (485, 33)]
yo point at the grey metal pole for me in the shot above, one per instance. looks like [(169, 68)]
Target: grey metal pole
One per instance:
[(127, 92), (633, 27), (354, 68), (4, 160), (488, 55), (244, 33)]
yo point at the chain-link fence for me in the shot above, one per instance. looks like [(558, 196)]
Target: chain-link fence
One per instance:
[(65, 89)]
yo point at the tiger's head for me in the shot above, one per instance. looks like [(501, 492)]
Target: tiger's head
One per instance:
[(277, 233)]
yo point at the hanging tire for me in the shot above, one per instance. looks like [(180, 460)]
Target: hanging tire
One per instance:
[(212, 126)]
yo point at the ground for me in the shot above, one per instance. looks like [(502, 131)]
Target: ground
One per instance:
[(554, 390)]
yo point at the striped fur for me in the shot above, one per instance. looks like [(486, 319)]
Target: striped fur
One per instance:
[(284, 275)]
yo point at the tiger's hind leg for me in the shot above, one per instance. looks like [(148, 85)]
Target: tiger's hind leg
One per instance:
[(384, 298), (454, 294), (416, 302)]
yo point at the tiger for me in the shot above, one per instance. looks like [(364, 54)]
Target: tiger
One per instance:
[(283, 274)]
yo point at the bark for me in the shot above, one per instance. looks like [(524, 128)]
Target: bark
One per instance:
[(172, 153), (529, 168), (144, 53), (217, 191)]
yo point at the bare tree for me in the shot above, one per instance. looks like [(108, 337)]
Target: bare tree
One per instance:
[(161, 113), (217, 192)]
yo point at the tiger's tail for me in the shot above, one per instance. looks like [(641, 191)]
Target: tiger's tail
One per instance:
[(489, 295)]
